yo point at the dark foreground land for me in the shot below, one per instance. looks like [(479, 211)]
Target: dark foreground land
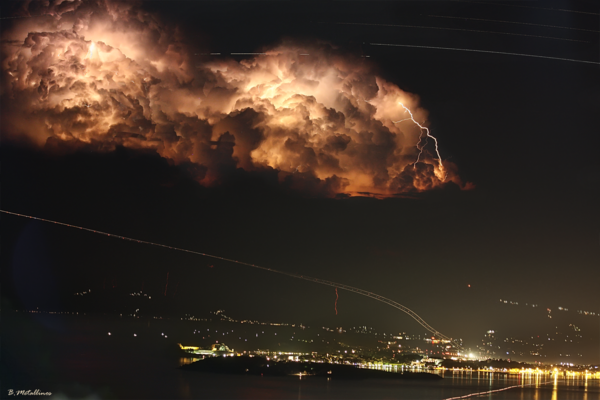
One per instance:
[(261, 366)]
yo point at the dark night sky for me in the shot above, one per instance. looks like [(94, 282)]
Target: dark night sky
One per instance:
[(523, 130)]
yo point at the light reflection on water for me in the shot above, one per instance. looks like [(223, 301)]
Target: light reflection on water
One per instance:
[(255, 387), (80, 363), (454, 384), (536, 386), (187, 360)]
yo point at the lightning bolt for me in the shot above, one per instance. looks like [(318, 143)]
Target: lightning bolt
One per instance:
[(441, 172), (336, 299)]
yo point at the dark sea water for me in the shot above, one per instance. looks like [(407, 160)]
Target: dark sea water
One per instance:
[(75, 358)]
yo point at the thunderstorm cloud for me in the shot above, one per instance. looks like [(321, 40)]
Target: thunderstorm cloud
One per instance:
[(106, 74)]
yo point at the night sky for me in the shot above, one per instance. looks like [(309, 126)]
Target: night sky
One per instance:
[(522, 130)]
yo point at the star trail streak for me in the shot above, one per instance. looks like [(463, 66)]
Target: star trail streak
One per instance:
[(484, 51), (336, 285), (463, 30), (516, 23), (487, 3)]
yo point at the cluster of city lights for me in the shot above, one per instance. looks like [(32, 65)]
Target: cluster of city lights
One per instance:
[(581, 312)]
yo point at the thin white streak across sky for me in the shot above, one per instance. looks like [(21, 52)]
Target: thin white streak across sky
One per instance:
[(485, 51), (460, 29), (352, 289), (536, 8), (514, 22)]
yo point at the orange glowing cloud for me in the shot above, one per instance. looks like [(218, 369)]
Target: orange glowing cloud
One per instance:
[(107, 74)]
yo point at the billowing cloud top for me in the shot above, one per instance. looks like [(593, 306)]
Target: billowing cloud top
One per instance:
[(107, 74)]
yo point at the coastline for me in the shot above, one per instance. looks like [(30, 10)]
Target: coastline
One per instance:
[(245, 365)]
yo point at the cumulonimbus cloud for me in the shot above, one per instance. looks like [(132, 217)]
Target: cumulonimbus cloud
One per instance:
[(105, 74)]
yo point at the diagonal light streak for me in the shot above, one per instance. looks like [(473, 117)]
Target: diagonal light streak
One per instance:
[(485, 51), (520, 6), (515, 23), (352, 289), (462, 30)]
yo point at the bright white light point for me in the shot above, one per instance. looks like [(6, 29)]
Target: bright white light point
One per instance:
[(91, 50), (134, 334), (108, 333)]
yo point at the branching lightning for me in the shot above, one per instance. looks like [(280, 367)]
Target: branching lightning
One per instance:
[(441, 173), (336, 285), (122, 89)]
